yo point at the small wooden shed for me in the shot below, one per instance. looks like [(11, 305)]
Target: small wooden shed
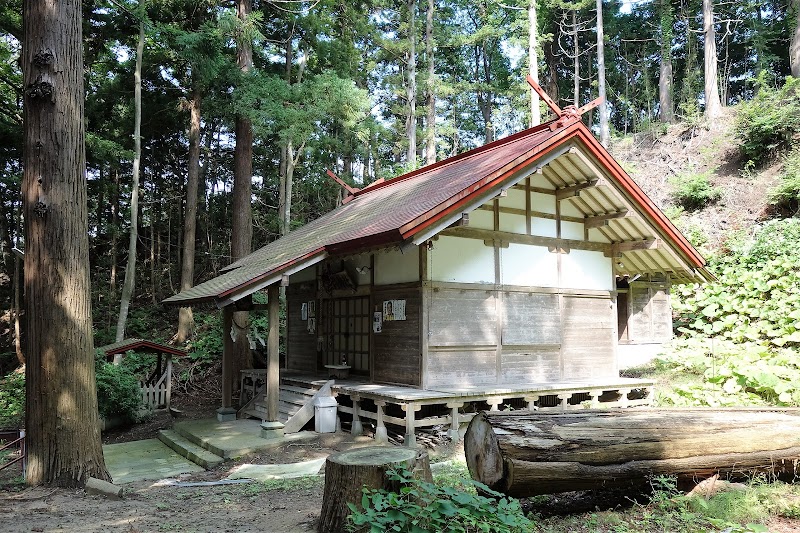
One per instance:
[(492, 275), (157, 387)]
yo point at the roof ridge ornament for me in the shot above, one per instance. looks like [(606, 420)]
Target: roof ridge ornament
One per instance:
[(569, 113), (351, 191)]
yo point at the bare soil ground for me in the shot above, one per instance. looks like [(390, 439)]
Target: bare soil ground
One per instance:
[(653, 160)]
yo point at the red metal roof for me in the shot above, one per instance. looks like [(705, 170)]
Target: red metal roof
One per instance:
[(392, 211)]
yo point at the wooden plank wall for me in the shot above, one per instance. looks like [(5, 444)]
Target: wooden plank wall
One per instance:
[(650, 313), (545, 335), (396, 350), (589, 338), (531, 337), (462, 336), (301, 346)]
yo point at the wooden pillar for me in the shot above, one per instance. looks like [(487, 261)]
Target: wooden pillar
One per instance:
[(356, 429), (227, 356), (564, 399), (531, 400), (273, 352), (410, 437), (381, 434), (455, 421)]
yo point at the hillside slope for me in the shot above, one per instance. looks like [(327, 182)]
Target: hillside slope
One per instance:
[(656, 160)]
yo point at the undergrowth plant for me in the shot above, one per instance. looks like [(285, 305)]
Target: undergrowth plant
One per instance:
[(12, 400), (694, 191), (767, 124), (118, 393), (420, 507)]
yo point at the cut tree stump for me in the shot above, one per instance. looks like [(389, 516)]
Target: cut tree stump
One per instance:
[(347, 472), (524, 453)]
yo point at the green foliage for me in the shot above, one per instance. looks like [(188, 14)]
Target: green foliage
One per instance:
[(139, 363), (206, 348), (788, 191), (421, 507), (12, 400), (118, 393), (732, 374), (756, 297), (694, 191), (768, 123)]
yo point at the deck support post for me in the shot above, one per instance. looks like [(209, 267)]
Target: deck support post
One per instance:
[(381, 434), (531, 401), (595, 396), (623, 397), (455, 421), (410, 436), (356, 429), (494, 402), (564, 399), (227, 412), (273, 352)]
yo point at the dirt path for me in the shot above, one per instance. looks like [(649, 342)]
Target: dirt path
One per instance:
[(292, 507)]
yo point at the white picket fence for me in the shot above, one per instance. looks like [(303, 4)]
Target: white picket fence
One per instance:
[(158, 394)]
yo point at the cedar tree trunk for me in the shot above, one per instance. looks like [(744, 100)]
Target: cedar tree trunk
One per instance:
[(411, 86), (242, 229), (665, 104), (185, 317), (130, 267), (533, 61), (794, 45), (713, 104), (602, 109), (62, 422), (430, 121)]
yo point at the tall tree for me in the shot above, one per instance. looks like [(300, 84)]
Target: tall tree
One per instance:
[(713, 104), (430, 88), (794, 45), (242, 227), (665, 105), (185, 316), (411, 85), (63, 430), (602, 110), (130, 267), (533, 61)]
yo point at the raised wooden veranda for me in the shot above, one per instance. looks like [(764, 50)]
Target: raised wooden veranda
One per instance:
[(411, 408)]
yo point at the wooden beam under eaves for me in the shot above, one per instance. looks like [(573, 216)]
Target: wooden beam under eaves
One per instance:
[(598, 221), (619, 248), (575, 190)]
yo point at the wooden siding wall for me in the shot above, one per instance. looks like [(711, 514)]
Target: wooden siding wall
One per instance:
[(396, 350), (650, 312), (479, 335), (301, 346)]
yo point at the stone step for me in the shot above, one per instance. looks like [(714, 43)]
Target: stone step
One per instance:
[(188, 449)]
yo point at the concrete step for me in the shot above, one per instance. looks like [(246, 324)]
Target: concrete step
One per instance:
[(189, 450)]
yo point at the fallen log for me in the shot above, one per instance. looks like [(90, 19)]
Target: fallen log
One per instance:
[(524, 453), (346, 473)]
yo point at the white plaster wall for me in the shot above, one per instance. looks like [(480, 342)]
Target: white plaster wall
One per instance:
[(514, 198), (394, 266), (461, 260), (584, 269), (572, 230), (568, 209), (521, 264), (513, 223), (543, 227), (307, 274), (481, 219), (545, 203)]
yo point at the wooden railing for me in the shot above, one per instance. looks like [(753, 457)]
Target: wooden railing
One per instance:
[(22, 455)]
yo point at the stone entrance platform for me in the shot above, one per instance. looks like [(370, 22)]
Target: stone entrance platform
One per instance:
[(145, 460), (233, 438)]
